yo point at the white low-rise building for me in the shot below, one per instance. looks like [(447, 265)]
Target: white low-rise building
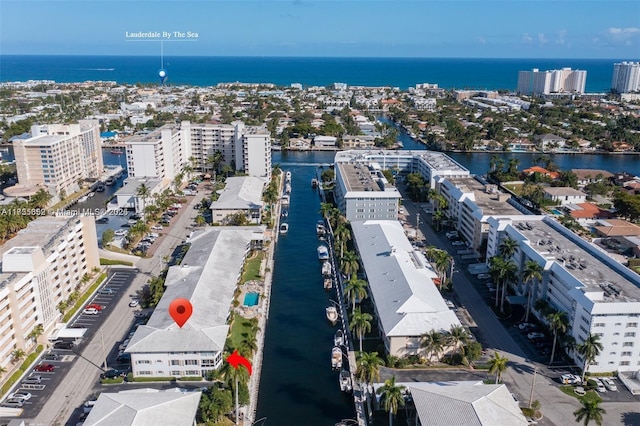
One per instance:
[(564, 195), (401, 285), (241, 194), (207, 277), (599, 295)]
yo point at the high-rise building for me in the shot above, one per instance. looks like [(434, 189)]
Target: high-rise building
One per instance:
[(57, 156), (565, 80), (41, 267), (626, 77)]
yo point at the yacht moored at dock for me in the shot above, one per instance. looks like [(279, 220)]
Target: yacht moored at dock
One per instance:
[(338, 338), (314, 183), (332, 314), (320, 229), (323, 252), (328, 283), (326, 269), (284, 228), (345, 381), (336, 358)]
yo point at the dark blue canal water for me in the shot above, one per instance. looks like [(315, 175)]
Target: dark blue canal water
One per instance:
[(297, 386)]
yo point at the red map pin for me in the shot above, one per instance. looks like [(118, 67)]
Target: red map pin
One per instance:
[(180, 310)]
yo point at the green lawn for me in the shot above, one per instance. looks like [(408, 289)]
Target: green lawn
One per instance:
[(590, 396), (81, 301), (239, 328), (252, 267)]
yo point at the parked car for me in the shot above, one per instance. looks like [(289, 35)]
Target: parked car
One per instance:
[(110, 374), (45, 367), (526, 326), (515, 398), (93, 306), (157, 227), (134, 303), (91, 311), (599, 385), (569, 379), (123, 345), (107, 290), (535, 335), (124, 358), (25, 396), (609, 384), (63, 345), (120, 232), (34, 379), (457, 243), (52, 356), (449, 303), (483, 276), (13, 403), (102, 220), (451, 234)]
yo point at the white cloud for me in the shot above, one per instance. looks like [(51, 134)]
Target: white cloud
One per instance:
[(561, 36), (526, 38), (623, 31), (542, 39), (622, 36)]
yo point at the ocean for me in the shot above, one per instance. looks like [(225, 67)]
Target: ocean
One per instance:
[(448, 73)]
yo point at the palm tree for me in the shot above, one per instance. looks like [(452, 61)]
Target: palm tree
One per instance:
[(143, 192), (589, 349), (17, 355), (434, 342), (325, 208), (360, 324), (503, 271), (36, 332), (215, 160), (457, 337), (368, 371), (507, 247), (589, 411), (443, 261), (498, 364), (391, 397), (341, 235), (2, 371), (349, 263), (40, 199), (532, 273), (355, 289), (558, 323), (248, 345), (436, 218)]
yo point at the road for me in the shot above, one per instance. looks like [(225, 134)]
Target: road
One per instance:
[(81, 382), (557, 407)]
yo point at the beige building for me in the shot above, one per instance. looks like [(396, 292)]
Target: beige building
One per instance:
[(57, 156), (41, 267)]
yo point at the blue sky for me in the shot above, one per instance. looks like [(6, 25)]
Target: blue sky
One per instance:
[(452, 28)]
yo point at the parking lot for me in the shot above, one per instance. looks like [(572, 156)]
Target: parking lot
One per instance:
[(44, 383)]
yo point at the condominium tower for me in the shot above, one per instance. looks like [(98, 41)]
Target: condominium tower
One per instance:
[(626, 77), (565, 80), (57, 156)]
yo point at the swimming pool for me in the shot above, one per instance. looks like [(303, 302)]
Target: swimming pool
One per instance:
[(556, 212), (251, 299)]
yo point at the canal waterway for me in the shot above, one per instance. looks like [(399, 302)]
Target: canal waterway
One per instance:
[(297, 385)]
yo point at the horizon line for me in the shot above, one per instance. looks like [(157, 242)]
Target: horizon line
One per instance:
[(313, 57)]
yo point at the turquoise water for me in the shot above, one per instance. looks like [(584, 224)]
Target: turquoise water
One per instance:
[(557, 212), (251, 299)]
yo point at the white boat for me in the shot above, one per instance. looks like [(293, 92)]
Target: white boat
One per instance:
[(336, 358), (323, 252), (326, 268), (288, 176), (314, 183), (332, 314), (285, 213), (285, 200), (284, 228), (110, 181), (328, 283), (83, 199), (338, 338), (287, 188), (91, 194), (320, 229), (345, 381)]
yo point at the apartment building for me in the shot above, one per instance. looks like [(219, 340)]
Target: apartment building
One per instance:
[(360, 184), (161, 154), (241, 194), (470, 204), (41, 267), (599, 295), (253, 150), (161, 348), (626, 77), (565, 80), (401, 286), (57, 156)]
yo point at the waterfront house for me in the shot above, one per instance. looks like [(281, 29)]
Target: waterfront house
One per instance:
[(242, 194), (549, 142), (587, 176), (564, 195)]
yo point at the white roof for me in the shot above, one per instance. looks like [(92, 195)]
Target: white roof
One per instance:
[(207, 277), (464, 404), (244, 192), (144, 407), (401, 281)]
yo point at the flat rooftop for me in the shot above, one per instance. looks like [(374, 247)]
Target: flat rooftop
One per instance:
[(585, 266), (357, 177), (39, 233), (485, 198), (155, 135), (435, 160)]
